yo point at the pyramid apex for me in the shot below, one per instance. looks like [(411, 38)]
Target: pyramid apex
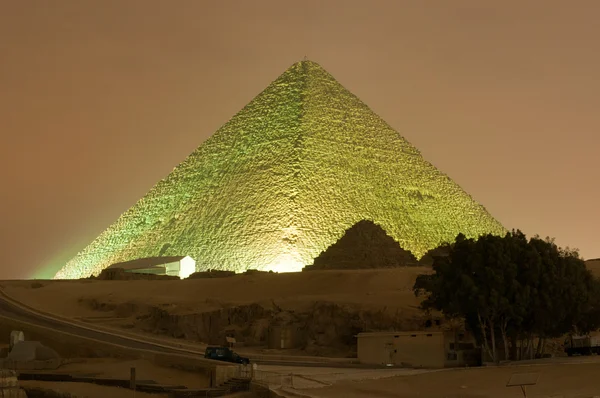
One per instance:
[(305, 61)]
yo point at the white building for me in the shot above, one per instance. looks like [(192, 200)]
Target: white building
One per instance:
[(181, 266)]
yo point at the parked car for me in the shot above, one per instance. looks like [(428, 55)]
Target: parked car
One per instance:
[(224, 354)]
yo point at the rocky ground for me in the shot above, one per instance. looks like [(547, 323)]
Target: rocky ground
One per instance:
[(327, 307)]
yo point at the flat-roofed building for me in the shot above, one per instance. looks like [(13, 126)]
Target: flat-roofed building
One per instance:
[(181, 266), (430, 349)]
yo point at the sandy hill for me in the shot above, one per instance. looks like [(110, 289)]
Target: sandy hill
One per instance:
[(328, 306), (370, 289)]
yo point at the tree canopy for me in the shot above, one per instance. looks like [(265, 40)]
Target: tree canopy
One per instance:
[(510, 289)]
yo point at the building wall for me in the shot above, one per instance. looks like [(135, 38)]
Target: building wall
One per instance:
[(374, 349), (415, 349), (461, 349), (172, 268), (420, 350), (149, 271)]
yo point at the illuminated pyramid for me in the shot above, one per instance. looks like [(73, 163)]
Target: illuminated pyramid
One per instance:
[(282, 180)]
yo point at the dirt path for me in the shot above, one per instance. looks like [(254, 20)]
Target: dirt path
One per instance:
[(573, 380)]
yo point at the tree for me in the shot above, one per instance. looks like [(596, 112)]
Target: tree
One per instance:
[(509, 289), (460, 287)]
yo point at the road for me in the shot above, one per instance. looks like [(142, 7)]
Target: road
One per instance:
[(12, 311)]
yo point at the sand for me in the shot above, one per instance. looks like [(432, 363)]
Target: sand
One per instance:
[(391, 288), (87, 390), (370, 289), (576, 379)]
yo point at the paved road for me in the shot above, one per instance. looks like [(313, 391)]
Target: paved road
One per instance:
[(12, 311)]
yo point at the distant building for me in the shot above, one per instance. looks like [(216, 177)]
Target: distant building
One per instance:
[(181, 266), (441, 349)]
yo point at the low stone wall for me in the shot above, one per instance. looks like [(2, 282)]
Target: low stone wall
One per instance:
[(40, 392), (211, 274), (214, 374), (222, 373), (9, 385), (30, 365)]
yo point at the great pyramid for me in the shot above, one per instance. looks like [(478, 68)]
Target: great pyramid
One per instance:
[(282, 180)]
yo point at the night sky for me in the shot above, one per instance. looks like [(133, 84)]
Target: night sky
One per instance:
[(101, 99)]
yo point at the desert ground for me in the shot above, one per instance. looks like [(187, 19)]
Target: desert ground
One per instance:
[(112, 368), (390, 288), (196, 311), (558, 378), (93, 300), (128, 306), (574, 379), (86, 390)]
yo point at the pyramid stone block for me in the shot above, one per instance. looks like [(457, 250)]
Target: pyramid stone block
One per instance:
[(282, 180)]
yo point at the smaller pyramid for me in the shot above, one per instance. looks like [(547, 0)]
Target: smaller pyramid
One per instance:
[(364, 245)]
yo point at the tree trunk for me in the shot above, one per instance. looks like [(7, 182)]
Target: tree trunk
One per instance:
[(521, 348), (493, 337), (541, 346), (482, 326), (525, 352), (531, 352), (544, 346), (504, 339), (514, 353)]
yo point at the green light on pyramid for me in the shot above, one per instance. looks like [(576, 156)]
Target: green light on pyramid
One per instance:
[(282, 180)]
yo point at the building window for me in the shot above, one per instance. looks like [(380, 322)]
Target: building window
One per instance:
[(452, 356)]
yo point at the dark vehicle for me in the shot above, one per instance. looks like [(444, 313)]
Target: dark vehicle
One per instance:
[(582, 345), (224, 354)]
